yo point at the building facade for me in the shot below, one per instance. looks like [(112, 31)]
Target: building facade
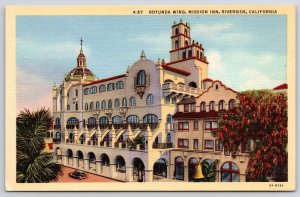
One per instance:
[(123, 126)]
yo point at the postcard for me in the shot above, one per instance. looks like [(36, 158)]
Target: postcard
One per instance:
[(150, 98)]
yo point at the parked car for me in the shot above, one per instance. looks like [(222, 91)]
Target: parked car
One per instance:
[(78, 174)]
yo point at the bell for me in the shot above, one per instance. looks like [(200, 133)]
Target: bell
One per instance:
[(198, 172)]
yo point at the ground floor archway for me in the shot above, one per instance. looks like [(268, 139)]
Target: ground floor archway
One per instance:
[(138, 170)]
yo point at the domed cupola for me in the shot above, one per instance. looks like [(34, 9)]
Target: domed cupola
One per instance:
[(81, 72)]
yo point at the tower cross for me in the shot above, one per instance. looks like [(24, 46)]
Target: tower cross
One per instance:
[(81, 42)]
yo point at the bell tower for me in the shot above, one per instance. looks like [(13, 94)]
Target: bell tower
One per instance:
[(180, 35)]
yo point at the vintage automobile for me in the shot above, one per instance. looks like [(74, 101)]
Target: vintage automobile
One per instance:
[(78, 174)]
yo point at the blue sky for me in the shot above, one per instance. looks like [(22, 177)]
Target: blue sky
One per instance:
[(245, 52)]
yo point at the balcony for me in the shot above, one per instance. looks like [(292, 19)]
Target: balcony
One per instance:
[(108, 112), (171, 88), (96, 112), (56, 141), (121, 144), (123, 111), (162, 145)]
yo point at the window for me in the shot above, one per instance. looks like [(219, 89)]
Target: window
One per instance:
[(103, 120), (167, 100), (169, 119), (186, 43), (68, 107), (92, 121), (109, 104), (185, 31), (86, 91), (141, 78), (196, 144), (208, 144), (195, 125), (132, 119), (91, 105), (72, 121), (231, 104), (184, 55), (132, 102), (124, 102), (183, 126), (102, 88), (76, 106), (173, 100), (93, 90), (76, 92), (149, 100), (103, 104), (190, 53), (212, 106), (117, 103), (183, 143), (117, 120), (197, 54), (186, 108), (211, 125), (150, 118), (193, 107), (97, 105), (110, 86), (176, 31), (216, 87), (221, 105), (219, 145), (203, 106), (230, 172), (176, 44), (57, 121), (119, 85), (86, 107)]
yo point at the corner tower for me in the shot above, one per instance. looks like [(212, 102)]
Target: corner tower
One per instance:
[(187, 54)]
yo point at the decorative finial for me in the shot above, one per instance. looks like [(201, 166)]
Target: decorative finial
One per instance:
[(143, 55), (81, 41), (163, 62)]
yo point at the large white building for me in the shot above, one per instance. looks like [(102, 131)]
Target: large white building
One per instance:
[(95, 121)]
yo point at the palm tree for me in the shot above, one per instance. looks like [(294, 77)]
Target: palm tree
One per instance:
[(209, 171), (34, 165)]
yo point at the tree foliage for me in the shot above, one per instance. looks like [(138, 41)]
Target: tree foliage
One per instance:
[(261, 117), (209, 171), (140, 139), (34, 165)]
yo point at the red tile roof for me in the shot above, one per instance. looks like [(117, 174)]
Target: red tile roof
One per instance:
[(176, 70), (187, 101), (282, 86), (208, 79), (106, 79), (192, 115)]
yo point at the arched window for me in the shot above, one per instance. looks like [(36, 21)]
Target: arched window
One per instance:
[(185, 31), (57, 135), (109, 104), (102, 88), (190, 53), (86, 91), (57, 121), (179, 168), (103, 104), (117, 120), (93, 90), (167, 100), (141, 78), (76, 106), (192, 84), (231, 104), (124, 102), (91, 105), (168, 81), (86, 106), (72, 121), (176, 31), (183, 55), (212, 106), (68, 107), (230, 172), (132, 102), (110, 86), (103, 120), (169, 119), (117, 103), (176, 44), (149, 100), (203, 106), (119, 85), (150, 118), (92, 121), (97, 105), (76, 92), (198, 55), (132, 119), (221, 105), (186, 43)]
